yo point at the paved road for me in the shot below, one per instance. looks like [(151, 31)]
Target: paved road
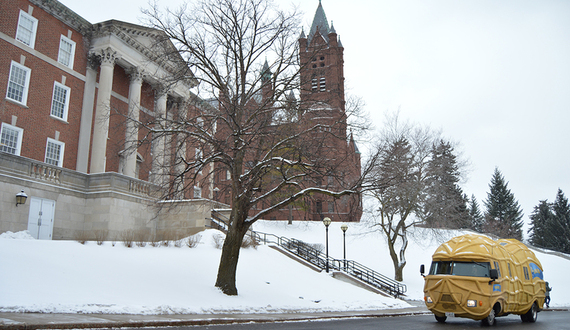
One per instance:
[(547, 320)]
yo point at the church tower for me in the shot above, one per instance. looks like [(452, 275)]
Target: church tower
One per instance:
[(322, 70), (322, 100)]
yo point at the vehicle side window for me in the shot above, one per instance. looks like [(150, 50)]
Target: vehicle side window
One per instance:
[(510, 274), (525, 270)]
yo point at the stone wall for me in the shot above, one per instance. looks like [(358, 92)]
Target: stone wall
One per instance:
[(108, 203)]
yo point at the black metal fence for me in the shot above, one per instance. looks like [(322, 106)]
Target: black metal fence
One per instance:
[(313, 254)]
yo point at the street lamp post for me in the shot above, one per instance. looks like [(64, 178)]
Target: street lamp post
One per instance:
[(327, 222), (344, 227)]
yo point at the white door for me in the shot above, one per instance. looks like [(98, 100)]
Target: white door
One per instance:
[(40, 220)]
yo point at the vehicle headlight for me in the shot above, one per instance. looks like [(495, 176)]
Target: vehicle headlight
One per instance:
[(471, 303), (428, 299)]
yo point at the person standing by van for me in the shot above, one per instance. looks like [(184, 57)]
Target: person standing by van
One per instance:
[(547, 295)]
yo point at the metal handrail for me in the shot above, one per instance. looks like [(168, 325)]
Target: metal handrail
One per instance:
[(319, 259)]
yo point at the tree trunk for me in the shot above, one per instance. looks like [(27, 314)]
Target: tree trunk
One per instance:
[(227, 269)]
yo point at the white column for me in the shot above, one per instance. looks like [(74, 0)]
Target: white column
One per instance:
[(132, 131), (102, 111), (84, 141), (159, 140)]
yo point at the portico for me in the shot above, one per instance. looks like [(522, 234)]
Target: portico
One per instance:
[(130, 47)]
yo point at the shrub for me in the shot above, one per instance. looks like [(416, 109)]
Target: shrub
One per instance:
[(218, 240), (128, 237), (141, 237), (81, 236), (101, 235), (193, 241), (248, 242)]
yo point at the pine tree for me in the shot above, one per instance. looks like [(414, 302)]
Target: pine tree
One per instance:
[(503, 216), (559, 227), (477, 219), (540, 219), (445, 205)]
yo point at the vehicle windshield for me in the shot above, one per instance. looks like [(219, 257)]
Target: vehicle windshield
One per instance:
[(460, 268)]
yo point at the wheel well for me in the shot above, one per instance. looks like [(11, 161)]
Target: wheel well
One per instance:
[(498, 307)]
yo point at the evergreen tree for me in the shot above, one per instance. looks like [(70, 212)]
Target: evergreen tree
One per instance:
[(503, 215), (540, 219), (445, 205), (560, 224), (477, 219)]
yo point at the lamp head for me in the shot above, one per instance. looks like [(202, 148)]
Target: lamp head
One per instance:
[(327, 221), (21, 198)]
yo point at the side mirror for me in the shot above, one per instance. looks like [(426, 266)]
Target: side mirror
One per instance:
[(493, 274), (422, 269)]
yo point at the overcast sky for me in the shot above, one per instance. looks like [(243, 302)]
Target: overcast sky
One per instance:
[(494, 76)]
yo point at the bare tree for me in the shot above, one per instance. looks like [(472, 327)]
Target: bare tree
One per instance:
[(396, 179), (244, 55)]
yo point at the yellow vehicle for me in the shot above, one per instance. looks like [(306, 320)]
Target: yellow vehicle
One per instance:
[(475, 277)]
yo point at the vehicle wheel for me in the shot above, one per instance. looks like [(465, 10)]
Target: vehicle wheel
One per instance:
[(490, 319), (531, 315), (441, 319)]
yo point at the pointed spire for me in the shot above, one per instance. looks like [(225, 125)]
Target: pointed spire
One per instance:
[(266, 72), (302, 36), (340, 43), (332, 28), (291, 97), (320, 24)]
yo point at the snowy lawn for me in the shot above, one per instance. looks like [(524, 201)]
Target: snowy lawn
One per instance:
[(68, 277)]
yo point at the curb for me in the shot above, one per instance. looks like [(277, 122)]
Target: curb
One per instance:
[(196, 322)]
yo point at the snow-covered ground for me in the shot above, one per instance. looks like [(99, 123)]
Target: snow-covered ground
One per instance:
[(68, 277)]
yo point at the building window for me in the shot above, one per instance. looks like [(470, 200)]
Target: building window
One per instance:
[(323, 84), (60, 101), (197, 192), (314, 85), (66, 51), (10, 139), (54, 152), (18, 83), (199, 160), (331, 207), (27, 27), (319, 207)]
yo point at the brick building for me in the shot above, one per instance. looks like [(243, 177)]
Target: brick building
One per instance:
[(65, 140), (66, 143), (321, 102)]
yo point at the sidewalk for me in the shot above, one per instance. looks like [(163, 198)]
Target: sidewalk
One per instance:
[(32, 321)]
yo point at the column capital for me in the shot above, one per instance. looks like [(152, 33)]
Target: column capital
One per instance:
[(160, 89), (93, 60), (108, 56), (136, 74)]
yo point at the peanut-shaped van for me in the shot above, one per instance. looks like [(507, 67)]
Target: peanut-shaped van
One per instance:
[(476, 277)]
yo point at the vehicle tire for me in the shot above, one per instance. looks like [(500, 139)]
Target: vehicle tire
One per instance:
[(440, 319), (490, 319), (531, 315)]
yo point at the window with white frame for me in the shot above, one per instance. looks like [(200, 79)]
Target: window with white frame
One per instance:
[(66, 51), (10, 139), (60, 101), (18, 83), (54, 152), (27, 27), (199, 160), (197, 192)]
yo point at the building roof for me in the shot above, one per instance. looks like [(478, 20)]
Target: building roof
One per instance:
[(320, 24)]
